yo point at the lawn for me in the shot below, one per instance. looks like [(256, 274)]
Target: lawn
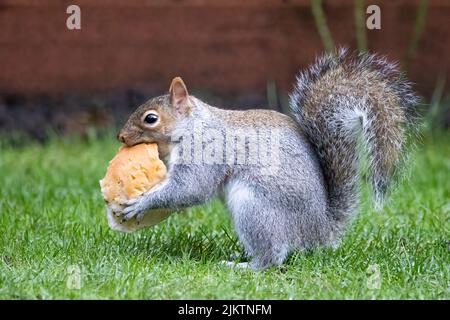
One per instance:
[(55, 241)]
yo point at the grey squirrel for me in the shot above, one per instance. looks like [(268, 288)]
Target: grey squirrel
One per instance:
[(340, 101)]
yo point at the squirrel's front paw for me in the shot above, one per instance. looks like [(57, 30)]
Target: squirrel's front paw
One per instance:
[(134, 208)]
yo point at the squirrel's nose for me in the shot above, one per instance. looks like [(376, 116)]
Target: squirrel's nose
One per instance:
[(121, 137)]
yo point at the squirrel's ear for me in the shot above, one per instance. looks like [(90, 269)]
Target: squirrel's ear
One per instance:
[(179, 97)]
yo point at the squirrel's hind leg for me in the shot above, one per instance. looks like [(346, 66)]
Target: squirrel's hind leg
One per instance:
[(260, 227), (274, 257), (260, 230)]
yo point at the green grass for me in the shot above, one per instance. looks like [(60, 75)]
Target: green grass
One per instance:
[(52, 218)]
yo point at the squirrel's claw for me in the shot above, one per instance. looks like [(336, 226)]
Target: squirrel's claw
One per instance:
[(129, 202), (129, 212), (134, 208), (127, 217)]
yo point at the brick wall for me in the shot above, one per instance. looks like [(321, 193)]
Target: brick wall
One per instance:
[(230, 48)]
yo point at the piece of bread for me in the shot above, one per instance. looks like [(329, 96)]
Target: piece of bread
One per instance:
[(132, 172)]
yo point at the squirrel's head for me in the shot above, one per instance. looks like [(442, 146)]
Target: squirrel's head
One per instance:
[(154, 121)]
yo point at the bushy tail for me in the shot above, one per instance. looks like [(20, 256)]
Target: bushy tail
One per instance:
[(343, 99)]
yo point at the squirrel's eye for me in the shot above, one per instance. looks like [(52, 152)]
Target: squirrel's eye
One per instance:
[(151, 118)]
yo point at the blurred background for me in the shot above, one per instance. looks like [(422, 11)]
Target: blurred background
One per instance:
[(233, 54)]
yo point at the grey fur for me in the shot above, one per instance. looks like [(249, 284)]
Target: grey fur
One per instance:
[(364, 96), (314, 193)]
